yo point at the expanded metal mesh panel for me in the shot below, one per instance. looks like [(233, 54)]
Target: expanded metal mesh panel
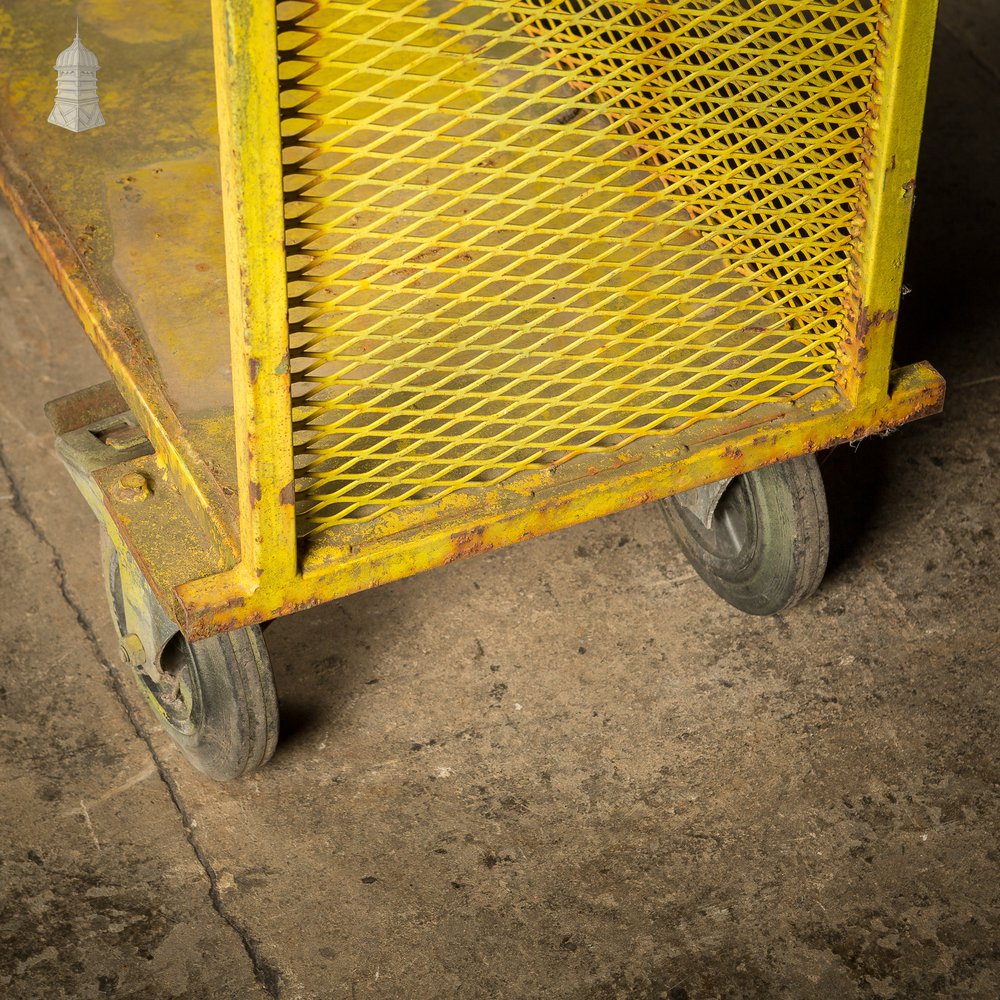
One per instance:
[(520, 231)]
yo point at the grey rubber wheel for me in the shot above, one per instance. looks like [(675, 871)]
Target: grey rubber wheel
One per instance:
[(767, 547), (215, 697)]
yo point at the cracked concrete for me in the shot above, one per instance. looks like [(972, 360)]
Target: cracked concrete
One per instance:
[(84, 858), (262, 971), (562, 770)]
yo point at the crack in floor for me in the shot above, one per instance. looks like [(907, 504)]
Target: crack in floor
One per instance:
[(266, 974)]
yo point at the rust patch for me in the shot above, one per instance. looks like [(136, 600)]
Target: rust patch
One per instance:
[(467, 543), (933, 405), (426, 255), (253, 367), (255, 494), (868, 321), (87, 406), (287, 494)]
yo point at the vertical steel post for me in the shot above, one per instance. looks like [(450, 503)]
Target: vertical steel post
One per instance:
[(250, 143), (901, 80)]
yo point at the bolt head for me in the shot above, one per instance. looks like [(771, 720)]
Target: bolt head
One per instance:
[(133, 486), (132, 652)]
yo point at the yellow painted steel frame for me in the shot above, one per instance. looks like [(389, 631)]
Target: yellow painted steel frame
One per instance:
[(253, 207), (270, 579), (145, 397)]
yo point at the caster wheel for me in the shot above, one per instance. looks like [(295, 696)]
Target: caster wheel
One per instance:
[(769, 537), (215, 697)]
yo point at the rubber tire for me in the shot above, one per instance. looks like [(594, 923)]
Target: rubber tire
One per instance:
[(232, 728), (781, 557)]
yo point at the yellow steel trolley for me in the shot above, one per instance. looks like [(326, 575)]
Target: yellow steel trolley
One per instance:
[(385, 283)]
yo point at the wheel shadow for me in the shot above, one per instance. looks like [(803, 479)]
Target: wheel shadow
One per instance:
[(855, 480), (322, 660), (313, 683)]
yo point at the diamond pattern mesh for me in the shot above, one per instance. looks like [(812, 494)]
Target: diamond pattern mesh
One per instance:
[(519, 231)]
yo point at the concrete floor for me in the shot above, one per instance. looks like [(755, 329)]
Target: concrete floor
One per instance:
[(563, 770)]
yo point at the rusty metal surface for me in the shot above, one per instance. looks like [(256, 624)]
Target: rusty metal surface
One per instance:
[(128, 219), (131, 494), (527, 507), (138, 505), (340, 76), (83, 407)]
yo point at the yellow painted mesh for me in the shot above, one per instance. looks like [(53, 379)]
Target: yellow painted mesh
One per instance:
[(520, 231)]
